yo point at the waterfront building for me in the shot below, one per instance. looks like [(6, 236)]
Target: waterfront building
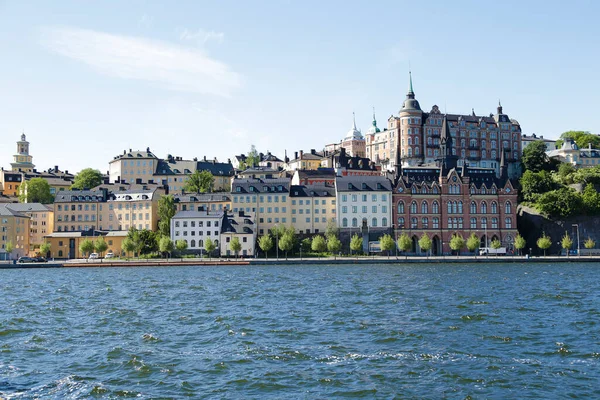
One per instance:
[(10, 181), (269, 198), (312, 207), (240, 225), (363, 200), (65, 245), (449, 199), (527, 140), (14, 228), (40, 223), (570, 153), (202, 201), (195, 227)]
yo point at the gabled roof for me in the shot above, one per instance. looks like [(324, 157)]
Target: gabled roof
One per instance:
[(216, 168), (362, 183), (5, 211)]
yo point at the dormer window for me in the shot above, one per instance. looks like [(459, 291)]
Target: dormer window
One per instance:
[(379, 187), (349, 186), (238, 189)]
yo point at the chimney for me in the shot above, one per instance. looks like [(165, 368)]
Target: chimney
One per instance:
[(229, 161), (295, 155), (56, 168), (205, 158), (313, 152), (301, 154), (67, 172)]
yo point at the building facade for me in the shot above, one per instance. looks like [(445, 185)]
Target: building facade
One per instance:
[(240, 225), (195, 227), (22, 160), (363, 200), (527, 140), (570, 153), (313, 207), (40, 223), (14, 229)]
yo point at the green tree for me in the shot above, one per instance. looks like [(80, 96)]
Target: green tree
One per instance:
[(44, 249), (199, 181), (591, 199), (496, 244), (457, 243), (589, 243), (534, 156), (265, 243), (181, 245), (565, 173), (148, 242), (387, 243), (86, 247), (128, 246), (9, 247), (334, 245), (544, 242), (356, 243), (306, 245), (35, 190), (252, 159), (87, 178), (563, 202), (318, 245), (473, 242), (581, 138), (235, 246), (425, 243), (209, 246), (165, 245), (566, 242), (404, 243), (100, 245), (520, 243), (166, 211), (533, 184), (331, 229), (286, 243)]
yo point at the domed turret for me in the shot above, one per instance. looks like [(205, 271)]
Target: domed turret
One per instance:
[(353, 134), (374, 128), (410, 104)]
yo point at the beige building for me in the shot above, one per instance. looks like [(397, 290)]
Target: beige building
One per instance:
[(570, 153), (14, 229), (41, 222), (202, 201), (304, 160), (312, 207), (65, 245), (240, 225)]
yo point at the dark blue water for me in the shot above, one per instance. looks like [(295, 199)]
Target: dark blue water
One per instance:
[(412, 331)]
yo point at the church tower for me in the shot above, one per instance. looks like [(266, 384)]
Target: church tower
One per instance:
[(22, 160)]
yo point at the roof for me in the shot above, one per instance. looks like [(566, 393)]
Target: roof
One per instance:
[(216, 168), (28, 207), (362, 183), (270, 157), (7, 212), (316, 173), (268, 185), (200, 197), (198, 214), (316, 190), (239, 222), (175, 167), (134, 195), (134, 154), (67, 196)]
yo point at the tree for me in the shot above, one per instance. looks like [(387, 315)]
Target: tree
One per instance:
[(199, 181), (563, 202), (387, 243), (496, 244), (86, 179), (45, 249), (566, 242), (331, 229), (520, 243), (209, 246), (334, 245), (591, 199), (147, 241), (286, 243), (318, 244), (544, 242), (533, 184), (565, 173), (235, 246), (128, 245), (305, 245), (404, 243), (165, 245), (457, 243), (265, 243), (166, 211), (9, 247), (534, 156), (35, 190), (589, 243), (425, 243), (581, 138), (252, 159), (86, 246), (473, 242), (356, 243), (181, 245), (100, 245)]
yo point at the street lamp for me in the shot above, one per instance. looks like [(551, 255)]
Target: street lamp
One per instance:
[(578, 253)]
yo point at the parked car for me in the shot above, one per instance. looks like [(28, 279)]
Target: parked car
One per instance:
[(93, 256), (109, 255), (40, 259), (23, 260)]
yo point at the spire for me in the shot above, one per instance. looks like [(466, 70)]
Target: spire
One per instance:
[(473, 112), (410, 85), (446, 137), (374, 120), (499, 107), (353, 121), (503, 166)]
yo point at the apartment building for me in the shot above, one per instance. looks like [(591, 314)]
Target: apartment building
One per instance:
[(312, 207)]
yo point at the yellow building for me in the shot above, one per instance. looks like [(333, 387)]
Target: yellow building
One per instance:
[(65, 245), (202, 201), (10, 181), (41, 222), (312, 207), (14, 229), (268, 198), (303, 160)]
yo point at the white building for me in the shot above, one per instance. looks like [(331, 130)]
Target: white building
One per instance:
[(527, 140), (240, 225), (363, 199), (195, 227)]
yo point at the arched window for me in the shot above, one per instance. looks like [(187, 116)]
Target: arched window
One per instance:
[(425, 222), (354, 222), (483, 154), (374, 222), (435, 208), (344, 222), (493, 154), (429, 141), (216, 243), (384, 221), (416, 140), (507, 208), (413, 207), (400, 207), (460, 207), (484, 207), (436, 223), (413, 189), (462, 142), (60, 253), (494, 223), (494, 145), (473, 223), (449, 207), (494, 208), (483, 191), (416, 151), (454, 208), (424, 189), (413, 223), (200, 243), (424, 208), (508, 223), (410, 151), (400, 222), (192, 243), (449, 223), (463, 153), (483, 144), (484, 223), (435, 190), (410, 141)]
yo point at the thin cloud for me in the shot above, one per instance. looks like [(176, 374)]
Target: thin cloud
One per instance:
[(171, 66), (201, 36), (146, 21)]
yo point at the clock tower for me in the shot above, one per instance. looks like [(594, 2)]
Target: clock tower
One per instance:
[(22, 160)]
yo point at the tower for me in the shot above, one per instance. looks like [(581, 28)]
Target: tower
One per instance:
[(22, 160), (411, 132), (448, 159)]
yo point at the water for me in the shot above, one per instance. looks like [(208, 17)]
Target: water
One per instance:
[(404, 331)]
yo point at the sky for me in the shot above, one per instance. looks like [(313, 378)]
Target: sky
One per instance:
[(85, 80)]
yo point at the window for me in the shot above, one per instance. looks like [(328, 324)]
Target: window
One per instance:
[(449, 207), (436, 223), (507, 208), (425, 222), (473, 223), (374, 209), (508, 223), (413, 207), (483, 223), (460, 207), (424, 208), (484, 207), (364, 209), (354, 222), (354, 209), (400, 222), (400, 207), (435, 208), (494, 223), (473, 208), (494, 208), (413, 223), (344, 222)]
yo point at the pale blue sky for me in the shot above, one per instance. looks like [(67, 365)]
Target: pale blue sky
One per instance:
[(86, 80)]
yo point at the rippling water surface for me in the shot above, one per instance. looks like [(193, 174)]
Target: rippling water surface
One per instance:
[(394, 331)]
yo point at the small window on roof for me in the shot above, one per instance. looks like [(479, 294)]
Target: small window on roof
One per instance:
[(349, 186), (364, 185)]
